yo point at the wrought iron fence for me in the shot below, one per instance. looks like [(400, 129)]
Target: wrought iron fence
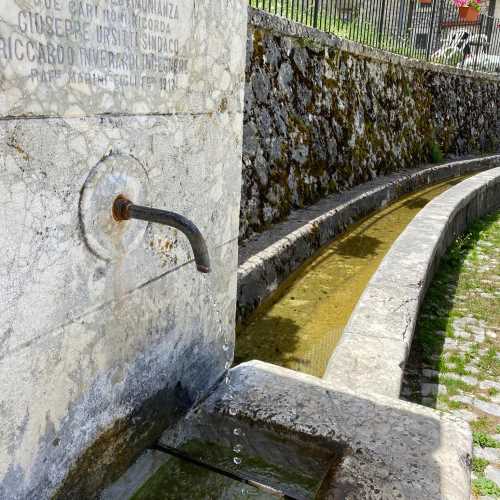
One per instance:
[(432, 30)]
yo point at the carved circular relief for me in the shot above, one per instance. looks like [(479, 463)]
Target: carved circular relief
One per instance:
[(113, 176)]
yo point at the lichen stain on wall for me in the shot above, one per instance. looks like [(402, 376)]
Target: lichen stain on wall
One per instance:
[(319, 119)]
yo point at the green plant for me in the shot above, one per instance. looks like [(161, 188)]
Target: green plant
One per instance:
[(443, 366), (436, 153), (485, 487), (460, 365), (482, 424), (483, 440), (479, 464), (475, 4), (489, 363), (455, 405), (454, 386)]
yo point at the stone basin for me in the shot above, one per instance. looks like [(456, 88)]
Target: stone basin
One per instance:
[(311, 439)]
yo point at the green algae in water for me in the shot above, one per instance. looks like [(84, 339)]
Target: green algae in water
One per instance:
[(299, 326), (178, 479)]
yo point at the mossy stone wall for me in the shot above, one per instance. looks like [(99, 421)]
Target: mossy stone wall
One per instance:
[(323, 114)]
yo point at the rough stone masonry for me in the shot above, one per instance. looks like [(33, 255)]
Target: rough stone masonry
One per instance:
[(323, 114)]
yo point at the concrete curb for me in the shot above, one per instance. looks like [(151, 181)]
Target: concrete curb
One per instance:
[(269, 258), (376, 341)]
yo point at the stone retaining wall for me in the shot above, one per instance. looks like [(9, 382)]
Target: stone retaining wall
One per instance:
[(324, 114), (375, 344)]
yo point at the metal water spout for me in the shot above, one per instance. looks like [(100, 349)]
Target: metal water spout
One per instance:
[(124, 209)]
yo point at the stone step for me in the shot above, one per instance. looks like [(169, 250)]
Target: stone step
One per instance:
[(490, 454), (493, 474)]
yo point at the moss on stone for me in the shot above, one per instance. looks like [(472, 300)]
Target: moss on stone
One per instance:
[(358, 118), (116, 448)]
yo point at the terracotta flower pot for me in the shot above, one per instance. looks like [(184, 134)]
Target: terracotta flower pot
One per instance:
[(425, 2), (468, 14)]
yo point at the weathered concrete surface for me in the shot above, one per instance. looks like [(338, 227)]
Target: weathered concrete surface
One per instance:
[(387, 448), (268, 258), (376, 341), (99, 353), (324, 114), (85, 341)]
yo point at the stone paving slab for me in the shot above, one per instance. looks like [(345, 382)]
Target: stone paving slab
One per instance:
[(492, 473), (490, 454)]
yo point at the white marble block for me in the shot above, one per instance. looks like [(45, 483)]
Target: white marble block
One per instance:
[(105, 333)]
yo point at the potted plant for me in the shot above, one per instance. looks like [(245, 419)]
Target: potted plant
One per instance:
[(468, 10)]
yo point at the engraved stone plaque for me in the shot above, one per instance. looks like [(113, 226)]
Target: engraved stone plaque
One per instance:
[(87, 57)]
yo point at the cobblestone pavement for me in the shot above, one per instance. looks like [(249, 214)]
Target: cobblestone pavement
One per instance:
[(454, 364)]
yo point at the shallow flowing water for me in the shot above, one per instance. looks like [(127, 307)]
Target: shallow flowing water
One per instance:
[(179, 479), (299, 326)]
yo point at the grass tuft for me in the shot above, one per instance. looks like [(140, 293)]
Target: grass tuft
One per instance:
[(479, 464), (436, 153), (482, 439), (485, 487)]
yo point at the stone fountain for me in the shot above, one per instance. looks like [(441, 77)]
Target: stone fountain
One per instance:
[(110, 338)]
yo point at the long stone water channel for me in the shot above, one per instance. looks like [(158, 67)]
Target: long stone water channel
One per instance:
[(299, 326)]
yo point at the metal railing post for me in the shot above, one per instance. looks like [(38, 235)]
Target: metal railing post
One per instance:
[(478, 43), (381, 23), (440, 21), (316, 13), (431, 32)]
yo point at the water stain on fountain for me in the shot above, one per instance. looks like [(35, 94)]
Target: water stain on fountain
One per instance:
[(115, 175), (299, 326)]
